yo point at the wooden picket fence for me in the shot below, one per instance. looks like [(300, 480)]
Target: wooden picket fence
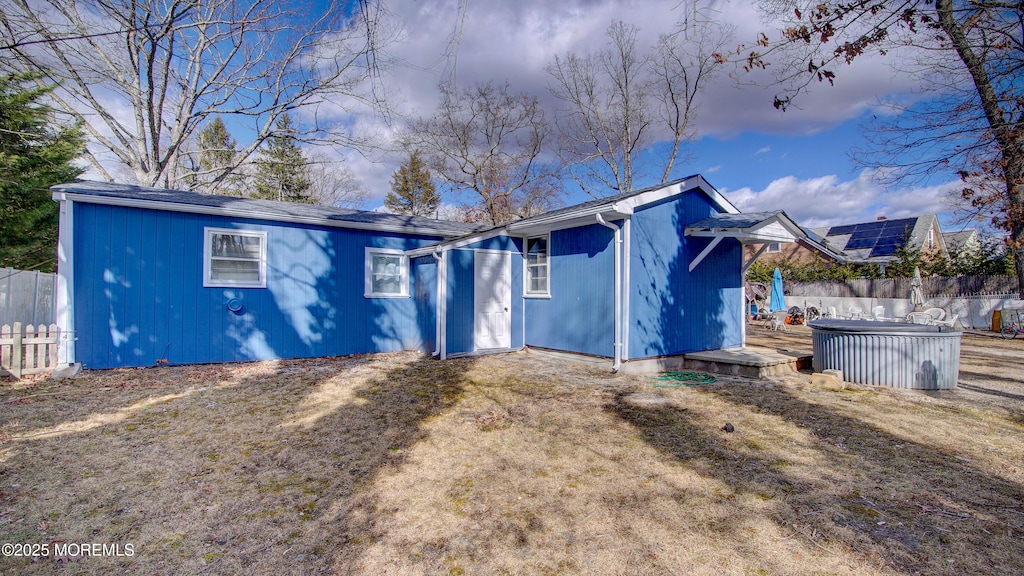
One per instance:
[(28, 352)]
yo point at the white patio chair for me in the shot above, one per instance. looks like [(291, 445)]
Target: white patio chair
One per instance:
[(951, 323), (920, 318), (878, 313), (936, 313), (832, 312), (776, 321), (856, 312)]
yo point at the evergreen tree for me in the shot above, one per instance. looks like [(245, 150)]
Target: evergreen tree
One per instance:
[(215, 161), (35, 153), (282, 170), (412, 191)]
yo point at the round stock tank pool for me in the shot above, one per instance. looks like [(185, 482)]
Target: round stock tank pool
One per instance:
[(895, 354)]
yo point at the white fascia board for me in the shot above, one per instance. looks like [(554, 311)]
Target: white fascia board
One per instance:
[(457, 243), (238, 213), (678, 188), (571, 219), (742, 234), (783, 221)]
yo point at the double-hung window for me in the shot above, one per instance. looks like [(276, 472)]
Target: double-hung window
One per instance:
[(537, 267), (234, 258), (387, 273)]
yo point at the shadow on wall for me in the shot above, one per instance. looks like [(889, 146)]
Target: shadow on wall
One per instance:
[(682, 311)]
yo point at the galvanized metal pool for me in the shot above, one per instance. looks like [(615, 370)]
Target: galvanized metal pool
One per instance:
[(893, 354)]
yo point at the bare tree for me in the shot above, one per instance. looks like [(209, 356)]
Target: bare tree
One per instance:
[(969, 57), (621, 101), (334, 184), (488, 141), (142, 75)]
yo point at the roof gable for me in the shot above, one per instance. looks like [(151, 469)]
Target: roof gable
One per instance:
[(618, 206)]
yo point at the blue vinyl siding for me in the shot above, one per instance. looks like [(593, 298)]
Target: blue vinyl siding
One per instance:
[(139, 294), (424, 291), (578, 317), (672, 310), (459, 325)]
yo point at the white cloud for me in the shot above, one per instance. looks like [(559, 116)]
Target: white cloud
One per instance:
[(763, 150), (712, 169), (826, 201), (503, 41)]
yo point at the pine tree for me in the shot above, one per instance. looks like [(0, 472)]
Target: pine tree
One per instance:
[(215, 161), (35, 153), (282, 168), (412, 191)]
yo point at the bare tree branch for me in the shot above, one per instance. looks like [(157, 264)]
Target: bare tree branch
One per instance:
[(142, 75), (621, 101), (488, 141)]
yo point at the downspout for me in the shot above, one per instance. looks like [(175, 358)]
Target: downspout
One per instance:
[(624, 328), (617, 276), (440, 347)]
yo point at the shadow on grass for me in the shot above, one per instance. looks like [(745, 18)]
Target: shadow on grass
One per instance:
[(265, 475), (990, 391), (910, 506)]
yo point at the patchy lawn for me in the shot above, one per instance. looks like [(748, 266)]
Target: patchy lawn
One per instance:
[(512, 464)]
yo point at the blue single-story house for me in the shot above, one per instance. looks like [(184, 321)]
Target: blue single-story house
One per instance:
[(150, 276)]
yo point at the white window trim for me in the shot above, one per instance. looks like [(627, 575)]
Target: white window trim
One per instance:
[(368, 273), (526, 267), (778, 248), (209, 282)]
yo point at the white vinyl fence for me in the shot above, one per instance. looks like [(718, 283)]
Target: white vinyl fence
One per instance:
[(28, 351)]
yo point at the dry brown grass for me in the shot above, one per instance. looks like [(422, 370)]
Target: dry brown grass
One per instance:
[(512, 464)]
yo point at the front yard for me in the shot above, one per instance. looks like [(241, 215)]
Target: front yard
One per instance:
[(511, 464)]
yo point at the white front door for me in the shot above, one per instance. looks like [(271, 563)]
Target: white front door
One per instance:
[(492, 301)]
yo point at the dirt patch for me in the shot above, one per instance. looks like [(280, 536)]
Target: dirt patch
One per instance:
[(510, 464)]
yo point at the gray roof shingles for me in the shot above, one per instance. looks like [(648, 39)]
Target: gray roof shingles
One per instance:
[(271, 209)]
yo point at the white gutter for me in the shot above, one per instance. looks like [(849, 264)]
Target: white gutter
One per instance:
[(229, 212), (617, 277), (565, 217), (66, 284)]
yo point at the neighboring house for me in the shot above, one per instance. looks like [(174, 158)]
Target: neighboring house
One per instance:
[(865, 243), (805, 250), (151, 276), (965, 242), (878, 242)]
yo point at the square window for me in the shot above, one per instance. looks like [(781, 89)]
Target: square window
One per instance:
[(387, 273), (234, 258), (537, 266), (774, 248)]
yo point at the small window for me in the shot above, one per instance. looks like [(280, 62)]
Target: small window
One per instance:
[(537, 266), (234, 258), (931, 238), (774, 248), (387, 273)]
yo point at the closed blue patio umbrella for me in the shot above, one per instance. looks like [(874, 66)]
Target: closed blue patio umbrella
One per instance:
[(777, 301)]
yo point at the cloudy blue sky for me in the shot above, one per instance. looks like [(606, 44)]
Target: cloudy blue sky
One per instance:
[(759, 157)]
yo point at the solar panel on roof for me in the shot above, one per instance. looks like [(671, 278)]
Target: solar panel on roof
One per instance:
[(860, 243), (884, 250), (871, 226), (837, 230)]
